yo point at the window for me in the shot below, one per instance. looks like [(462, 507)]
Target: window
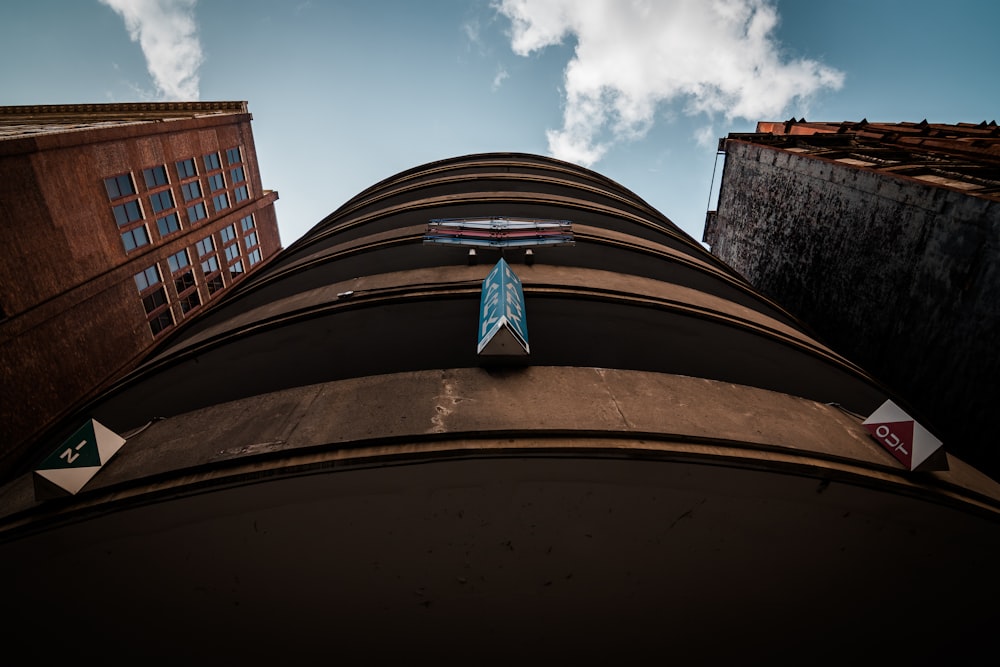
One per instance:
[(147, 278), (184, 282), (247, 223), (216, 182), (178, 261), (161, 321), (161, 201), (212, 162), (119, 186), (237, 175), (251, 240), (232, 252), (191, 190), (236, 270), (205, 246), (189, 301), (210, 265), (241, 193), (220, 202), (168, 224), (154, 300), (186, 169), (233, 155), (135, 238), (197, 212), (127, 212), (228, 234), (254, 257), (214, 284), (155, 176)]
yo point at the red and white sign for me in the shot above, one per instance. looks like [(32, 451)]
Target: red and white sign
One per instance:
[(905, 439)]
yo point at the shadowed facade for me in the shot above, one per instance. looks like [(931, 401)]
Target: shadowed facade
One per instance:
[(322, 465)]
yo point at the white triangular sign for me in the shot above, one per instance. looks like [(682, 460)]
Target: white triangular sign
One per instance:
[(901, 435), (108, 442), (69, 479), (75, 462)]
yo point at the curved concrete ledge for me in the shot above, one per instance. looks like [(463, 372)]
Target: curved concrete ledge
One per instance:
[(535, 411)]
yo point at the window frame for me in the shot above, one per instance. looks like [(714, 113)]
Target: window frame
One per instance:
[(213, 265), (186, 191), (182, 175), (155, 268), (157, 325), (184, 281), (174, 265), (204, 249), (189, 301), (156, 201), (124, 208), (164, 221), (155, 300), (198, 206), (130, 232), (116, 180), (212, 161), (215, 283), (156, 176), (223, 198)]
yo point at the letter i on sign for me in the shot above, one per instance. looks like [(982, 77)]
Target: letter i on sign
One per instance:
[(73, 453)]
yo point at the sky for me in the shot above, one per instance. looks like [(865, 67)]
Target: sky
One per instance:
[(346, 93)]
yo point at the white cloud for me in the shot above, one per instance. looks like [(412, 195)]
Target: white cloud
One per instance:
[(167, 33), (705, 136), (715, 56), (500, 77), (471, 30)]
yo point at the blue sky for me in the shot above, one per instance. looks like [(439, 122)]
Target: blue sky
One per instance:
[(345, 94)]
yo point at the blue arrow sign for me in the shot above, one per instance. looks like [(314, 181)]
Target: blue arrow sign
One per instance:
[(503, 328)]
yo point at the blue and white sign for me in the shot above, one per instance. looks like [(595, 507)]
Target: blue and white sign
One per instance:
[(503, 329)]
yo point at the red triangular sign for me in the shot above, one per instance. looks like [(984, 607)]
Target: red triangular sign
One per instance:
[(897, 437)]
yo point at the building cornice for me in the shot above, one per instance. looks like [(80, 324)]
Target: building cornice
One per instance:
[(117, 110)]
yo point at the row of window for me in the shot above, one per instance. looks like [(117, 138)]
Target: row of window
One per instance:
[(150, 282), (129, 215), (122, 186)]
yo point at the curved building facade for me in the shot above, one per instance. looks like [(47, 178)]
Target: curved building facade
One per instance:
[(322, 463)]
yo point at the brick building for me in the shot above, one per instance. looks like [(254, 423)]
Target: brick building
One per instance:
[(120, 222), (884, 238)]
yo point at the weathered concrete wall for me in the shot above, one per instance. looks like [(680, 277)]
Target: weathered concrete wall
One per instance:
[(899, 276)]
